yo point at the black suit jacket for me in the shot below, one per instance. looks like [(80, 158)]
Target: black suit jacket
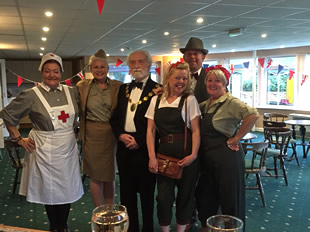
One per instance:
[(119, 116), (200, 91)]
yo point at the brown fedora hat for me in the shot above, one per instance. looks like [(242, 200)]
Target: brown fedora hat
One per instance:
[(194, 44)]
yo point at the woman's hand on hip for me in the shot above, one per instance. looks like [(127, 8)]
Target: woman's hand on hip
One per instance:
[(28, 144), (233, 144)]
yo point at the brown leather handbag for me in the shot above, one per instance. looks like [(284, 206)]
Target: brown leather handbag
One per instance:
[(167, 165)]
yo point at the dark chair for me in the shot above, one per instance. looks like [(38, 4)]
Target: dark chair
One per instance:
[(277, 120), (279, 138), (14, 151), (256, 166)]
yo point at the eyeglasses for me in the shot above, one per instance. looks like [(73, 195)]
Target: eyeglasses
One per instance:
[(183, 78)]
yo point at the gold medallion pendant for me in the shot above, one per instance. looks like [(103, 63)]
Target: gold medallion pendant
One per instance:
[(133, 107)]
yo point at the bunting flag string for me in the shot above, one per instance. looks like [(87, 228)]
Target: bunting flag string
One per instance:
[(67, 81)]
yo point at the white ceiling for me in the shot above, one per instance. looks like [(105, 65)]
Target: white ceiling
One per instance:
[(76, 29)]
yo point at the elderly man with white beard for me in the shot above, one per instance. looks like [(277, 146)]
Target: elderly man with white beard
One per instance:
[(129, 126)]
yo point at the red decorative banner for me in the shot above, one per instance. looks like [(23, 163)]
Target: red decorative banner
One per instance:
[(20, 80), (304, 78), (100, 4), (181, 60), (80, 74), (118, 62), (68, 82), (291, 73), (158, 70)]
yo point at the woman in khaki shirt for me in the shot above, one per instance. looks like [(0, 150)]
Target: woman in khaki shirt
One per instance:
[(98, 99), (221, 183)]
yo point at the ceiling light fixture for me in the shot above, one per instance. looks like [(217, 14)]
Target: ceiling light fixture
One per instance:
[(48, 13), (42, 48), (122, 49), (41, 54), (46, 29), (43, 38), (108, 54), (214, 45), (264, 35), (166, 33), (199, 20), (235, 32), (144, 41)]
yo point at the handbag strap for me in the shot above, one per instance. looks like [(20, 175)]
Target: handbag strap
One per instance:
[(185, 127)]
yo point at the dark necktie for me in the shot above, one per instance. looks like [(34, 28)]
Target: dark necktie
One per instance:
[(136, 84), (195, 75)]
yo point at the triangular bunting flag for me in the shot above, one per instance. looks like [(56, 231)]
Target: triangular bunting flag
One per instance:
[(19, 80), (181, 60), (291, 73), (80, 74), (304, 78), (261, 61), (118, 62), (100, 4), (158, 70), (246, 64), (280, 68), (268, 62), (68, 82), (232, 68), (169, 63)]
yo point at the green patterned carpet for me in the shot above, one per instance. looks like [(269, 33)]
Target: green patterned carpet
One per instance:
[(287, 210)]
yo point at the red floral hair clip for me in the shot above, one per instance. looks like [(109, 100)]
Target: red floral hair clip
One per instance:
[(220, 67), (174, 65)]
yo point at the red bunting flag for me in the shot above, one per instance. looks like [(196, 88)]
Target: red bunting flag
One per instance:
[(304, 78), (100, 4), (158, 70), (80, 74), (181, 60), (291, 73), (68, 82), (169, 63), (265, 62), (118, 62), (232, 68), (19, 80)]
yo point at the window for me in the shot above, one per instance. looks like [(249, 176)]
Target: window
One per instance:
[(121, 73)]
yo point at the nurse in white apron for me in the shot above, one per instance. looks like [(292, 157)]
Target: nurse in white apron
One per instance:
[(51, 173)]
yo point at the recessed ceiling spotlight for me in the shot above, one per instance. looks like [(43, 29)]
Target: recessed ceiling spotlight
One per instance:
[(46, 29), (41, 54), (199, 20), (144, 41), (233, 50), (214, 45), (264, 35), (48, 13), (166, 33), (43, 38), (108, 54), (42, 48), (282, 46), (122, 49)]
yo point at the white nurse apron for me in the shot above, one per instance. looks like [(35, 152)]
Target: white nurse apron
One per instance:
[(51, 174)]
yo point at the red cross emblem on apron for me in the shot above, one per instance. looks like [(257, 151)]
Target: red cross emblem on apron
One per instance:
[(63, 116)]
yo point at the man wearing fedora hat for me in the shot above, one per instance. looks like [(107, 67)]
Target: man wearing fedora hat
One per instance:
[(194, 54)]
